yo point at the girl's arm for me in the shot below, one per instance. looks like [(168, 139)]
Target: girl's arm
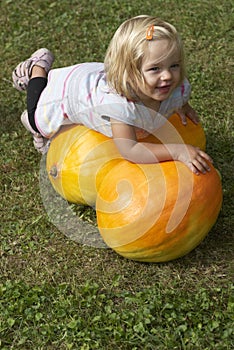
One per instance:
[(142, 152)]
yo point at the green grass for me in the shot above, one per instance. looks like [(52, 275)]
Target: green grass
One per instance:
[(58, 294)]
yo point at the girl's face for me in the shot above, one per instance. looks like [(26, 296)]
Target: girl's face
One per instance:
[(162, 73)]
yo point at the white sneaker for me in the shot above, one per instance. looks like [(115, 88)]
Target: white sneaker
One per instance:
[(40, 143), (21, 74)]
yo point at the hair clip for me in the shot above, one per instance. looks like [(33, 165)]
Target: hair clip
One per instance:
[(149, 33)]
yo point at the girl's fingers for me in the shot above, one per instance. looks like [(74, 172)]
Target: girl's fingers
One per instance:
[(188, 112), (193, 168), (199, 163), (183, 117), (193, 116), (206, 156)]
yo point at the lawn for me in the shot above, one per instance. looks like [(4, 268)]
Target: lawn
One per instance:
[(58, 294)]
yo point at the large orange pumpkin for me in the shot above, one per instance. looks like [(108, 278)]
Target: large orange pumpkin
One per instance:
[(149, 212)]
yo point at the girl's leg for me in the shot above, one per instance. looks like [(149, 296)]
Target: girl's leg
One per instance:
[(35, 88), (31, 75), (36, 85)]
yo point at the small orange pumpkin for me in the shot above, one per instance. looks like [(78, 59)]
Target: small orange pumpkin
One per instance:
[(75, 157)]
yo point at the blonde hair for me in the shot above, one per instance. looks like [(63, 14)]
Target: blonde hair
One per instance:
[(127, 48)]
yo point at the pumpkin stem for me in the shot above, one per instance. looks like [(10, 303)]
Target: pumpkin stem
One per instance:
[(54, 171)]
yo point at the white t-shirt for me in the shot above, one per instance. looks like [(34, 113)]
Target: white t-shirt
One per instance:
[(79, 94)]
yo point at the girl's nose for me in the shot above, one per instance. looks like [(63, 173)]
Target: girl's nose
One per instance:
[(166, 74)]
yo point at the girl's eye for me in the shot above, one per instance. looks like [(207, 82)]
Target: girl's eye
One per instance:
[(155, 69), (175, 66)]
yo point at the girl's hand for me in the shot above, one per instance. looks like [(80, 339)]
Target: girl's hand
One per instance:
[(187, 111), (195, 159)]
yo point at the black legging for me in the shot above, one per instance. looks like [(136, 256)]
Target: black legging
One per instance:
[(34, 90)]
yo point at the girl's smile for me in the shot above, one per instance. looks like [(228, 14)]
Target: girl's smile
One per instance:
[(161, 72), (164, 89)]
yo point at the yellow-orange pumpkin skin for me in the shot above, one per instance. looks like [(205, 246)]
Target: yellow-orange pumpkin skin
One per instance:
[(158, 212), (75, 157), (176, 132)]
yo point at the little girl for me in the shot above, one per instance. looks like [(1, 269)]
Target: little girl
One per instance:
[(141, 82)]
